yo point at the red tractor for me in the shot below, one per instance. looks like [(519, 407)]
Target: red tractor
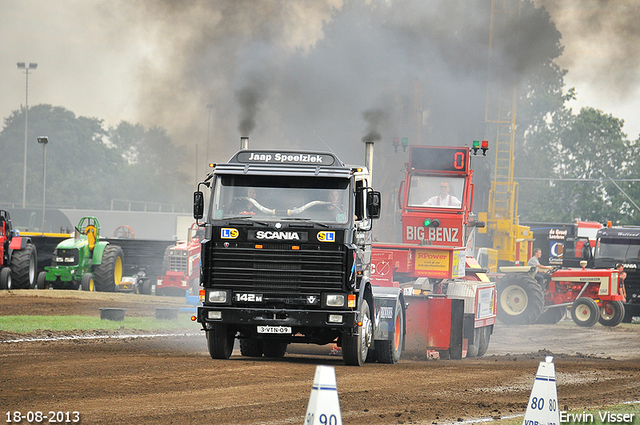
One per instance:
[(591, 294), (182, 267), (18, 257), (451, 301)]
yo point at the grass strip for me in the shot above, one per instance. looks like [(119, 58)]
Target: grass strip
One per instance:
[(28, 324)]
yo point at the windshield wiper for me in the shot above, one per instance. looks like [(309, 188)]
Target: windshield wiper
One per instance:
[(244, 218), (306, 220)]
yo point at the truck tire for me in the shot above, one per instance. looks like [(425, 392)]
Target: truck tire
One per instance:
[(87, 283), (5, 278), (250, 347), (520, 299), (274, 349), (611, 314), (552, 316), (108, 273), (472, 349), (485, 338), (389, 351), (23, 268), (585, 312), (356, 347), (220, 341), (41, 282)]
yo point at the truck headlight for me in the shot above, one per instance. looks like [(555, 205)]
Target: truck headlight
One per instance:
[(217, 296), (335, 300)]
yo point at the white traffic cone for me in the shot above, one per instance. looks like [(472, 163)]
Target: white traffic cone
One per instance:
[(543, 402), (324, 405)]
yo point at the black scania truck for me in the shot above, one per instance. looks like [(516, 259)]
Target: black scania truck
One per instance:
[(286, 258)]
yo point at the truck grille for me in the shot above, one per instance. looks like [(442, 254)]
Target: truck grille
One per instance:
[(178, 264), (278, 269)]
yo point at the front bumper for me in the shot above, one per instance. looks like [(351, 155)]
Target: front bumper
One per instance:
[(241, 316), (64, 274)]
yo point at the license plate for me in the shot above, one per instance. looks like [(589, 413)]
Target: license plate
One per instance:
[(274, 329)]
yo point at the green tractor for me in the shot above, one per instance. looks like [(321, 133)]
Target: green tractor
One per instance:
[(84, 261)]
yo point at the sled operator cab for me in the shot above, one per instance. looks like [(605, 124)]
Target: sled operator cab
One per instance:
[(286, 257)]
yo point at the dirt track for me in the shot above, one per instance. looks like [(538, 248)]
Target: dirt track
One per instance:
[(172, 380)]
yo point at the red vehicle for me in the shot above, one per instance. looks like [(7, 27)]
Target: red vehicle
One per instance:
[(451, 301), (182, 267), (18, 258)]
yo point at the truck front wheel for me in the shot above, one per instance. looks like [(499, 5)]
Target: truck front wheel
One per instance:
[(611, 314), (220, 341), (355, 347), (585, 312)]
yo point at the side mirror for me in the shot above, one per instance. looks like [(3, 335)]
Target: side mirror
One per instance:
[(373, 204), (198, 205)]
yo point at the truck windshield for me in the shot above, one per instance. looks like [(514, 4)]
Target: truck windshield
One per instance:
[(436, 191), (322, 199), (618, 248)]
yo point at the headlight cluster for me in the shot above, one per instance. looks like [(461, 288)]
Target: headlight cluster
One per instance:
[(64, 259), (335, 300), (219, 297), (178, 252)]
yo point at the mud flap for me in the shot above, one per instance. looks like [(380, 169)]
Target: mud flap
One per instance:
[(457, 329), (383, 312)]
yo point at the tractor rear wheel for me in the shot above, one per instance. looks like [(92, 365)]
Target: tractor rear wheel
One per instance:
[(552, 316), (611, 314), (23, 267), (220, 341), (5, 278), (520, 299), (585, 312), (109, 272)]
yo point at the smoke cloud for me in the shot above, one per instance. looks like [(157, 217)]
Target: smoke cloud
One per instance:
[(604, 40)]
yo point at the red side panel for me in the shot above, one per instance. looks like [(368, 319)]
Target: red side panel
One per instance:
[(17, 243)]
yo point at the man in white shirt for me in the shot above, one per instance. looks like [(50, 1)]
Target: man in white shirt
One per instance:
[(444, 199)]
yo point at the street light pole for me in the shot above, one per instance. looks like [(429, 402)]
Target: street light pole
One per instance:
[(44, 140), (22, 65)]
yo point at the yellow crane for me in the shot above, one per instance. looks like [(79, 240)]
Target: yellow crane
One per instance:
[(511, 242)]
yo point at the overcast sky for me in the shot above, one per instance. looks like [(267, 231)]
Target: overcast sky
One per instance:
[(103, 58)]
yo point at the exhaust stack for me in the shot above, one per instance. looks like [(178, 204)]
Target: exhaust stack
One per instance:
[(244, 143), (368, 159)]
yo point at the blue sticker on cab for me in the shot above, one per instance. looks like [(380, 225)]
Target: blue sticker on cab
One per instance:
[(228, 233), (327, 236)]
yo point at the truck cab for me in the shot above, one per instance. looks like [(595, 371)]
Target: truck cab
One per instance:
[(286, 256)]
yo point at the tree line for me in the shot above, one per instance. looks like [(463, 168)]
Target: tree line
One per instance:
[(90, 165)]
